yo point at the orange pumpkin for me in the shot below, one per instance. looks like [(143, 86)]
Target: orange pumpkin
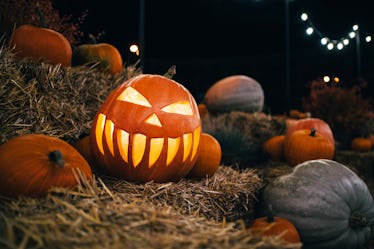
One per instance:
[(32, 164), (307, 144), (274, 147), (41, 44), (84, 148), (141, 133), (106, 55), (308, 123), (209, 157), (361, 144), (275, 226), (371, 137), (203, 110)]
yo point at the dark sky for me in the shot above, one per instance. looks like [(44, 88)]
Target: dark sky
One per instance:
[(211, 39)]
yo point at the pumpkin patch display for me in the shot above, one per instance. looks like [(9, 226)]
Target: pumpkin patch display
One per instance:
[(305, 144), (106, 55), (209, 157), (329, 204), (32, 164), (42, 44), (147, 129), (235, 93)]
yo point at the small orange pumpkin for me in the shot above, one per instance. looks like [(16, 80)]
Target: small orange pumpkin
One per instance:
[(209, 157), (275, 226), (108, 56), (84, 148), (32, 164), (274, 147), (203, 110), (42, 44), (307, 144), (361, 144)]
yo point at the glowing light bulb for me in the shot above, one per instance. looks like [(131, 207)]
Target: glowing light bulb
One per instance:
[(336, 79), (355, 27), (134, 49), (304, 17), (352, 34), (340, 46), (368, 38), (330, 46), (345, 42), (309, 31), (326, 79), (324, 41)]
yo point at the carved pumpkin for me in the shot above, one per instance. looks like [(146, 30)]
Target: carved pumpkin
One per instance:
[(106, 55), (271, 225), (304, 145), (235, 93), (41, 44), (330, 206), (147, 129), (209, 157), (308, 123), (32, 164), (274, 147)]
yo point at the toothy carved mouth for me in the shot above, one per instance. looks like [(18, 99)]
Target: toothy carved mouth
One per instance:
[(105, 130)]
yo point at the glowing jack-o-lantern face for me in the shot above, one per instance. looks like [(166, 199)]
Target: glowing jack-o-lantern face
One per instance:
[(147, 129)]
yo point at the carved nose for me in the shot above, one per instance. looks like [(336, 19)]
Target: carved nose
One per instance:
[(153, 119)]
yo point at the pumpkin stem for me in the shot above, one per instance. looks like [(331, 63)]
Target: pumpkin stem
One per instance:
[(41, 16), (270, 216), (358, 220), (313, 132), (92, 39), (56, 157)]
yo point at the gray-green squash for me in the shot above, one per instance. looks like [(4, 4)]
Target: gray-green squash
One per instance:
[(235, 93), (328, 203)]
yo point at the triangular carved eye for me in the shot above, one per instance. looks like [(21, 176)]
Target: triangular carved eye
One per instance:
[(133, 96), (181, 107)]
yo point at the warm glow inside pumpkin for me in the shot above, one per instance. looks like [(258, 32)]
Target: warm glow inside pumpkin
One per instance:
[(148, 129)]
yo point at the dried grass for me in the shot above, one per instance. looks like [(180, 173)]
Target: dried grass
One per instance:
[(110, 213), (50, 99), (241, 135)]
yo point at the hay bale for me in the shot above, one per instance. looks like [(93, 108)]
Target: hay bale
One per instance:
[(50, 99), (112, 214), (241, 135)]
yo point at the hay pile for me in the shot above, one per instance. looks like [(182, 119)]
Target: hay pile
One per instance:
[(241, 135), (114, 214), (53, 100), (111, 213)]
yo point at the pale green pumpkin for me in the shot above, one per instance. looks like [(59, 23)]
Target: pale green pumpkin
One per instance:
[(330, 205)]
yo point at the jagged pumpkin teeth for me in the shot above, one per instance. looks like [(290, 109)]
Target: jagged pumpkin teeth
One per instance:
[(138, 145), (109, 128), (123, 144), (173, 146), (99, 132), (196, 140), (155, 150), (187, 144)]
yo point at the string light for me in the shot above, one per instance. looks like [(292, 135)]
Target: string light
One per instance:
[(331, 44)]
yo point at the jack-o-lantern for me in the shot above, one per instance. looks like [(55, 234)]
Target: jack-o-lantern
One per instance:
[(147, 129)]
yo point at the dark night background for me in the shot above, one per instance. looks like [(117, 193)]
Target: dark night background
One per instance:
[(209, 39)]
